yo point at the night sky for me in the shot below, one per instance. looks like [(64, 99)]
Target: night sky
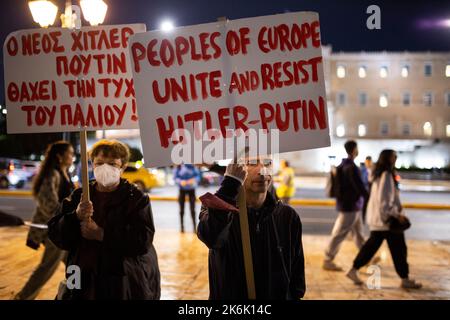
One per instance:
[(405, 25)]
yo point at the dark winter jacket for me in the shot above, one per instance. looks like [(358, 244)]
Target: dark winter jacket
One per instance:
[(126, 264), (351, 192), (220, 231)]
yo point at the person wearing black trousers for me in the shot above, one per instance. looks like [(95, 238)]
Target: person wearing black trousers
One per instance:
[(187, 177), (384, 204)]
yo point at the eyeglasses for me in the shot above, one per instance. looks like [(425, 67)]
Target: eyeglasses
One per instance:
[(254, 162)]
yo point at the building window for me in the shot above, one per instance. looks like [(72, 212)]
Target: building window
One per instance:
[(447, 71), (405, 71), (383, 101), (340, 71), (447, 96), (340, 130), (428, 70), (447, 130), (362, 72), (341, 99), (384, 128), (428, 99), (362, 130), (362, 99), (406, 129), (427, 129), (406, 99), (383, 72)]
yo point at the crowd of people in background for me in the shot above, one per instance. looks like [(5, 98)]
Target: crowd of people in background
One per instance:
[(110, 235)]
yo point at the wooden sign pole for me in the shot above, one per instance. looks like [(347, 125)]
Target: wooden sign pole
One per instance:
[(245, 234), (83, 133), (84, 165), (246, 245)]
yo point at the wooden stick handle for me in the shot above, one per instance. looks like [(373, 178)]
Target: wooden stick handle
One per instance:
[(246, 245), (84, 165)]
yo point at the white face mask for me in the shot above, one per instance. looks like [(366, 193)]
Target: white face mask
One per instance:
[(107, 175)]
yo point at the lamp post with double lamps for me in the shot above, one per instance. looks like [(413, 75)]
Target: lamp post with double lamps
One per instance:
[(94, 11)]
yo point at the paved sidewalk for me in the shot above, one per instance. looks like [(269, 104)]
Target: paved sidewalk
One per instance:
[(183, 264)]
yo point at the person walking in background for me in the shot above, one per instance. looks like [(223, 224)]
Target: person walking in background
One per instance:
[(187, 177), (51, 185), (369, 165), (385, 218), (286, 187), (110, 237), (364, 174), (350, 195), (366, 171)]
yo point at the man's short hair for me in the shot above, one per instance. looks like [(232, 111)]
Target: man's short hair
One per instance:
[(111, 149), (350, 145), (369, 158)]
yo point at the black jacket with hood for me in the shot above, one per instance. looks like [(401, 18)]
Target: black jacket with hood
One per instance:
[(351, 192), (220, 231)]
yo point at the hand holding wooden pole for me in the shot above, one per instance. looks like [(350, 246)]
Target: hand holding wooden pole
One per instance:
[(84, 165), (245, 235)]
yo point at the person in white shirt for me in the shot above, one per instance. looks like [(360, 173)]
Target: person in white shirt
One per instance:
[(384, 203)]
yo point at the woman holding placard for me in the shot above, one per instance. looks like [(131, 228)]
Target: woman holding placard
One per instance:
[(110, 237)]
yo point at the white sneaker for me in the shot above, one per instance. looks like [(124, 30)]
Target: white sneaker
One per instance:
[(410, 284), (331, 266), (352, 274)]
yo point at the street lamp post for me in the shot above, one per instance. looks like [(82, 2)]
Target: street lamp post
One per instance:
[(71, 18), (94, 11), (44, 12)]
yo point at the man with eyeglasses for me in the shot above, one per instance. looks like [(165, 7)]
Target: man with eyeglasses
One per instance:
[(275, 235)]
